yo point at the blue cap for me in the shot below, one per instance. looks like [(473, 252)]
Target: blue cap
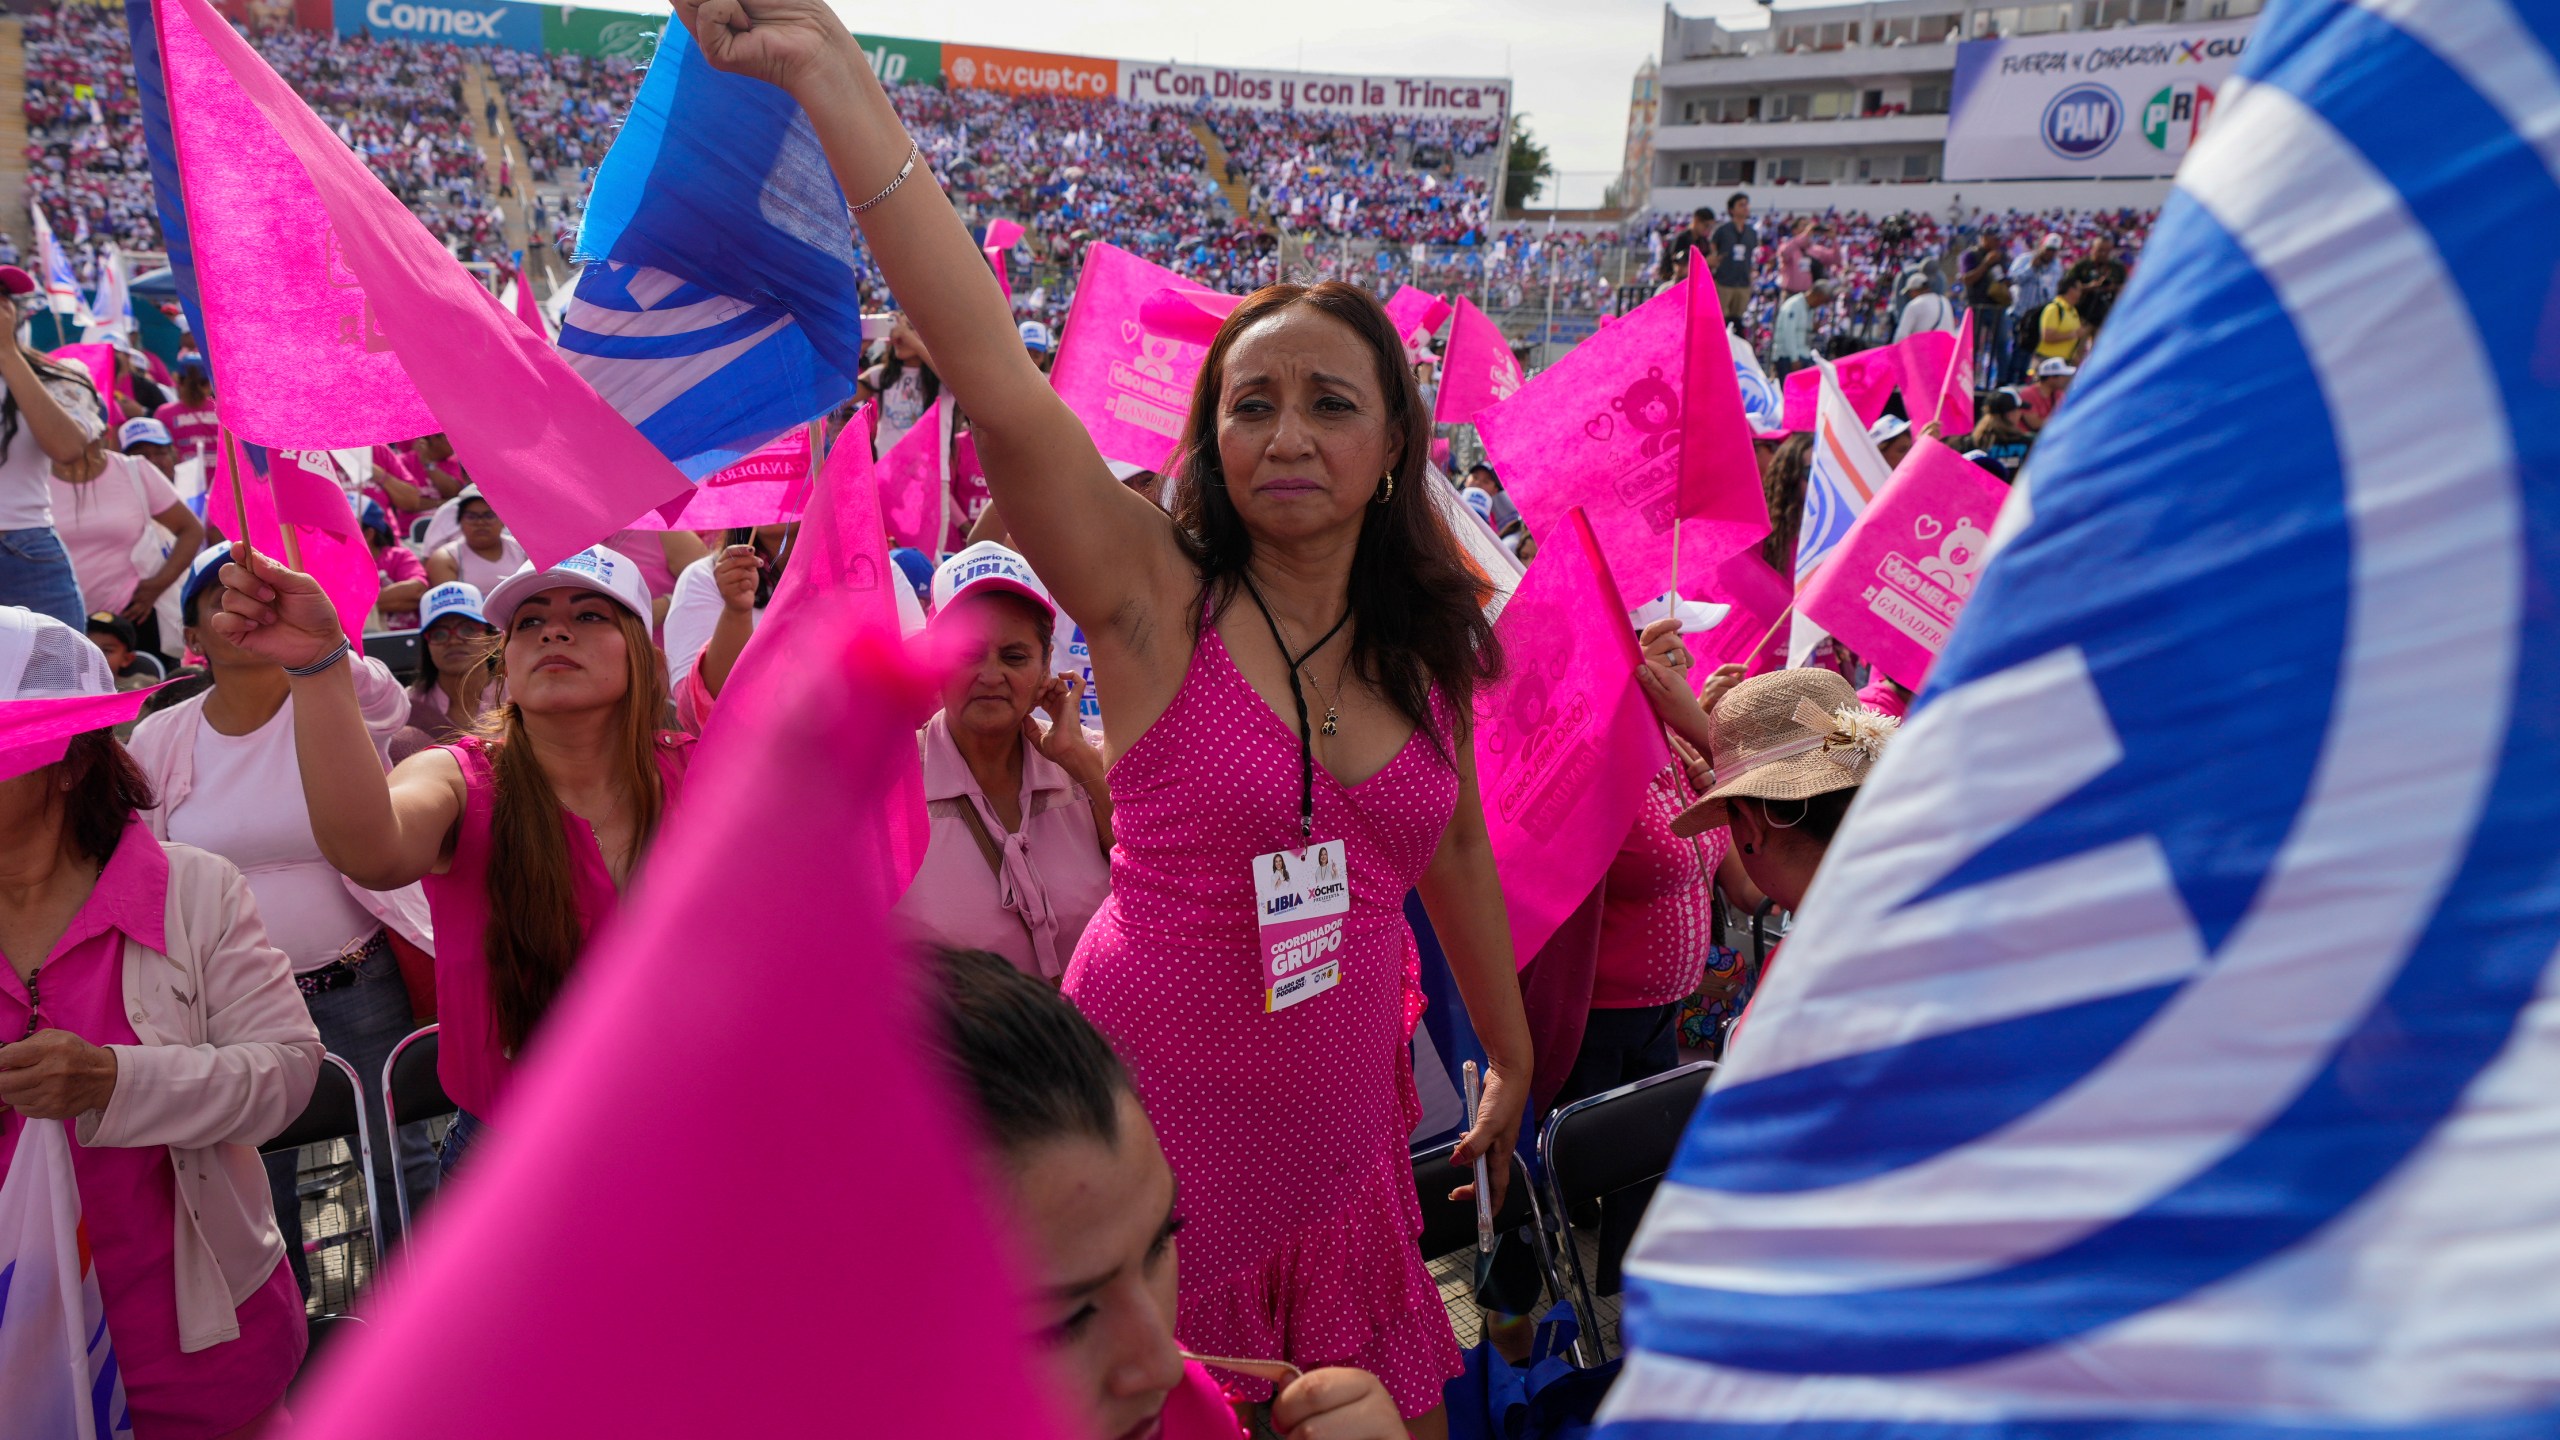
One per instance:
[(205, 570), (373, 517), (916, 566)]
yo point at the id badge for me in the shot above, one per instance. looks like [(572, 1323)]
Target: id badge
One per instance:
[(1302, 897)]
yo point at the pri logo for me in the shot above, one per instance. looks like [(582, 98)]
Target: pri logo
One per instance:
[(2081, 122), (2174, 119)]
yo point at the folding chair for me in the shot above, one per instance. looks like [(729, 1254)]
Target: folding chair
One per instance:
[(336, 1112), (411, 1091), (1606, 1143)]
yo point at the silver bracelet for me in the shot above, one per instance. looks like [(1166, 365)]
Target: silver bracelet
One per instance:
[(915, 148), (305, 672)]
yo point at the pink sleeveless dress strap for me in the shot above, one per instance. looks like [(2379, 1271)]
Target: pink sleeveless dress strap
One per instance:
[(1286, 1131)]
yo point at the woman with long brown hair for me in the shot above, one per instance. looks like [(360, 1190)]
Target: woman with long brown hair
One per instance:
[(1288, 666), (526, 833)]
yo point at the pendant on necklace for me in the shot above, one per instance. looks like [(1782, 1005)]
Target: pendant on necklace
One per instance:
[(1329, 727)]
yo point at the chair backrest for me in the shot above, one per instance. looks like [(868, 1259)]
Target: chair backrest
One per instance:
[(1621, 1137), (1450, 1225), (410, 1088), (334, 1113)]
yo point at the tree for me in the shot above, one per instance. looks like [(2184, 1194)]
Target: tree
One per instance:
[(1530, 168)]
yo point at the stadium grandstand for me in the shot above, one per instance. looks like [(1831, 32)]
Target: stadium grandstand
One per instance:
[(493, 148)]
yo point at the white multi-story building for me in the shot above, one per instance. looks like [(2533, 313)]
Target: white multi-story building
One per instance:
[(1846, 104)]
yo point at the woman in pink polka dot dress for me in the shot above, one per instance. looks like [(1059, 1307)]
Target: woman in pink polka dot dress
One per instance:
[(1288, 663)]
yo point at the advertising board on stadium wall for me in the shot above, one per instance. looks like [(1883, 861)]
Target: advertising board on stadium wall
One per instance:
[(2112, 103), (1477, 98), (624, 34), (1028, 72)]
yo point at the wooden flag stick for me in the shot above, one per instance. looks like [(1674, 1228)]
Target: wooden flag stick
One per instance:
[(1765, 635)]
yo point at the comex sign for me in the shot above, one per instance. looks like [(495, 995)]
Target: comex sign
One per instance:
[(433, 20), (2081, 122)]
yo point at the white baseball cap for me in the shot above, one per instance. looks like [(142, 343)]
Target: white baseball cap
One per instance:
[(1035, 335), (143, 430), (988, 568), (43, 659), (450, 599), (2055, 365), (1887, 427), (606, 572)]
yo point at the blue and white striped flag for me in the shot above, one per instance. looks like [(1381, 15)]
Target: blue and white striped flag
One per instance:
[(2170, 1046), (719, 306)]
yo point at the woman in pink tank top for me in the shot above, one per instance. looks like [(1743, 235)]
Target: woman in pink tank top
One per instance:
[(525, 835), (1287, 671)]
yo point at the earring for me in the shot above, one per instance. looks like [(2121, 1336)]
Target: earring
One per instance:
[(1389, 492), (1747, 850)]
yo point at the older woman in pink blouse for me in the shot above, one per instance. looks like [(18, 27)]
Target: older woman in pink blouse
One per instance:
[(1019, 855)]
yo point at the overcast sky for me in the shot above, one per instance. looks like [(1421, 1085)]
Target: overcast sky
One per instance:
[(1573, 59)]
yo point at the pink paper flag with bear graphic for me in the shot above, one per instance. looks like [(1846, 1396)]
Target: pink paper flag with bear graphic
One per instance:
[(1892, 590), (1129, 382), (1868, 378), (1602, 429), (1565, 741), (1477, 369)]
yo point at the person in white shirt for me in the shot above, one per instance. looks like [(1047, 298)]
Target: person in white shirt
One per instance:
[(104, 503), (48, 412), (224, 767), (484, 555), (1925, 309), (1791, 338)]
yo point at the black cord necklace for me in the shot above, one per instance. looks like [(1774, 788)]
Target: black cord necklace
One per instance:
[(1297, 693)]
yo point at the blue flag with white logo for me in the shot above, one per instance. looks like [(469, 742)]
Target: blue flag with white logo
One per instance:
[(2170, 1045), (718, 307)]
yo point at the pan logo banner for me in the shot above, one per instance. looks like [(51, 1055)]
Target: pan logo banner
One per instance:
[(2087, 105)]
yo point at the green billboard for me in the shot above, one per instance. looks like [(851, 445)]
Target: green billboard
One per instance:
[(617, 33), (903, 62)]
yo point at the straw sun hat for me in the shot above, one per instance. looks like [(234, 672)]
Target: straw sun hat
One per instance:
[(1787, 735)]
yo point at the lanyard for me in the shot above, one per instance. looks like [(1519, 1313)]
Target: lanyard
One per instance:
[(1306, 730)]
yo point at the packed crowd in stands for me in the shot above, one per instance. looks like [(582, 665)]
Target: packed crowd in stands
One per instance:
[(85, 160), (563, 107), (1359, 175)]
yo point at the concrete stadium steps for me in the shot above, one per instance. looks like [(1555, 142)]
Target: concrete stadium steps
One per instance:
[(13, 131), (1238, 195), (501, 152)]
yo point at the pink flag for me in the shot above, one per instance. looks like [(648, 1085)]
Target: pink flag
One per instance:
[(995, 262), (1951, 395), (911, 483), (594, 1271), (1565, 742), (36, 732), (1894, 587), (770, 487), (1417, 313), (1602, 429), (836, 579), (1477, 369), (98, 358), (299, 499), (1129, 383), (528, 309), (970, 496), (1867, 378), (1003, 235), (335, 320), (1758, 595), (1719, 469)]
